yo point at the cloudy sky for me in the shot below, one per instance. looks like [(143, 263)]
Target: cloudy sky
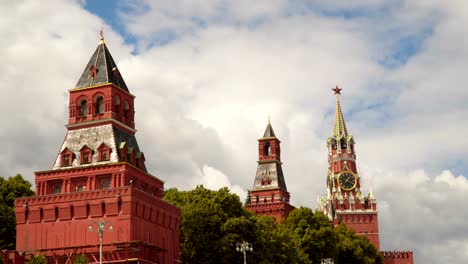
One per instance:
[(207, 73)]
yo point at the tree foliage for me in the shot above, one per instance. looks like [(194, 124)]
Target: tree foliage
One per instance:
[(38, 259), (13, 187), (214, 221)]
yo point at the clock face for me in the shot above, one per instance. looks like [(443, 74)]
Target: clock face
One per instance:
[(347, 181)]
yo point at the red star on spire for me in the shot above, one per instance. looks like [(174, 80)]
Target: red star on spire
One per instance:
[(337, 90)]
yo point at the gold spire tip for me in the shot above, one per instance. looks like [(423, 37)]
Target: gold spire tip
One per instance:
[(102, 36)]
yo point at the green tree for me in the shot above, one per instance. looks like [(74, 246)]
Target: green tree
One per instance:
[(81, 259), (13, 187), (214, 221), (37, 259), (354, 249), (313, 236), (204, 213)]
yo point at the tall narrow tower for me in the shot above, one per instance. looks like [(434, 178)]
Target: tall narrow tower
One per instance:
[(269, 195), (344, 202), (99, 175)]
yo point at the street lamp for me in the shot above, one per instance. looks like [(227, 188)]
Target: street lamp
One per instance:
[(244, 247), (101, 226)]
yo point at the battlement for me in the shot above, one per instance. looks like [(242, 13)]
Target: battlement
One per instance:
[(398, 257)]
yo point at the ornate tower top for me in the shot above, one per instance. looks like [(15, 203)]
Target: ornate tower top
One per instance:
[(101, 69), (339, 127), (269, 195), (269, 171)]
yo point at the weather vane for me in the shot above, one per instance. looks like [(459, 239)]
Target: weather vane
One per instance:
[(102, 36)]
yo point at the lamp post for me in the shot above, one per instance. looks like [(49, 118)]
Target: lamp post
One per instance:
[(244, 247), (101, 226)]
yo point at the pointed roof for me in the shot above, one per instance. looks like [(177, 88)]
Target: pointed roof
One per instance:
[(339, 127), (269, 133), (101, 69)]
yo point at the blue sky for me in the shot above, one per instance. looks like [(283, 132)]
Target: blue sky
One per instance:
[(207, 73)]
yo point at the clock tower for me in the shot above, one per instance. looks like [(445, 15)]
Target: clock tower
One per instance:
[(345, 202)]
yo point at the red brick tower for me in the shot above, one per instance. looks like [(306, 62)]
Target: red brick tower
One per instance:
[(344, 202), (269, 195), (99, 174)]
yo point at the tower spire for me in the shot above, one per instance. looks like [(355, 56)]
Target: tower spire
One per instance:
[(339, 127)]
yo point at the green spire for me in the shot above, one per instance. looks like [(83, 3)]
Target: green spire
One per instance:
[(339, 127)]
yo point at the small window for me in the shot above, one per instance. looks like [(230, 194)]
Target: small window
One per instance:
[(104, 155), (343, 144), (57, 188), (257, 199), (105, 183), (265, 200), (267, 149), (79, 188), (84, 108), (99, 105), (85, 158)]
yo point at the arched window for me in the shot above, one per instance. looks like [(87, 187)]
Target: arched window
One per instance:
[(333, 144), (343, 144), (126, 110), (83, 108), (117, 104), (99, 105), (267, 149)]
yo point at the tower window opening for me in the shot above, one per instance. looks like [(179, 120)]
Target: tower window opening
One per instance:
[(264, 200), (79, 188), (104, 155), (88, 210), (257, 199), (267, 149), (126, 110), (343, 144), (105, 183), (99, 105), (333, 144), (56, 214), (41, 215), (84, 108), (85, 158), (272, 197), (57, 188), (72, 212), (103, 209)]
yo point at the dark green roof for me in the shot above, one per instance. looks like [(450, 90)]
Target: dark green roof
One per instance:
[(105, 69)]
